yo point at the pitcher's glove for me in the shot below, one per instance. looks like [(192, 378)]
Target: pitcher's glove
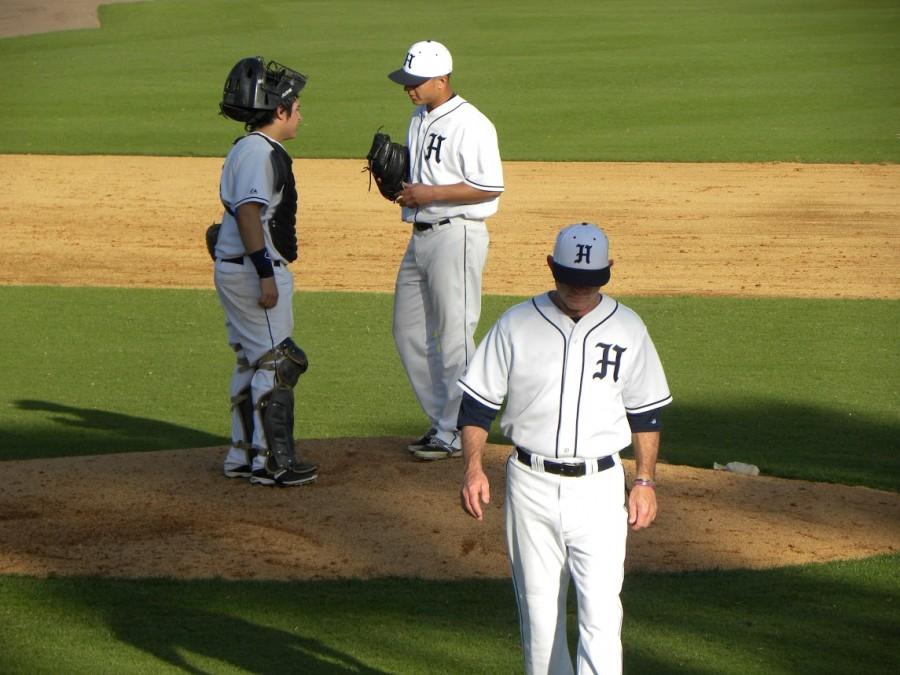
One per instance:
[(388, 162)]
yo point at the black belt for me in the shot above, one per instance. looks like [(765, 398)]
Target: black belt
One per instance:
[(569, 469), (421, 227), (240, 261)]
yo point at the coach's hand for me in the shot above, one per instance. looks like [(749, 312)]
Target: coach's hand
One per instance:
[(641, 507), (268, 293), (474, 492)]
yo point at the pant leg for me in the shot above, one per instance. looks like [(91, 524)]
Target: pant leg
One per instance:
[(595, 529), (256, 330), (456, 258), (248, 324), (537, 558), (411, 333)]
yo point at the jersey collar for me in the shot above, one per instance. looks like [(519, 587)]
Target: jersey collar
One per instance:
[(447, 105), (549, 309)]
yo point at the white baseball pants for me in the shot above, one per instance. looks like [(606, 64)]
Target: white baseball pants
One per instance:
[(559, 528), (255, 330), (437, 304)]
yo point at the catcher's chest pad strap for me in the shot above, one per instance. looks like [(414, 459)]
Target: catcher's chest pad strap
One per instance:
[(283, 223)]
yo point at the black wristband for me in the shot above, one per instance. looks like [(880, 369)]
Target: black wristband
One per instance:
[(263, 263)]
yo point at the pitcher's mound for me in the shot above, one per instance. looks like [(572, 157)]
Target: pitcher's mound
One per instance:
[(375, 511)]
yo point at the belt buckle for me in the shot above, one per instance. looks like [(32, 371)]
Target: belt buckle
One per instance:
[(571, 470)]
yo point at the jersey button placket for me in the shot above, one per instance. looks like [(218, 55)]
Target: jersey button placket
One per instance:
[(569, 403)]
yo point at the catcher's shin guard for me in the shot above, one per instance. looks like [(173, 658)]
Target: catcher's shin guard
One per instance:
[(277, 406), (277, 412), (243, 406)]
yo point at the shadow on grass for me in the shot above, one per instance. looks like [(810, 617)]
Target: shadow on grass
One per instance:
[(196, 638), (812, 619), (353, 626), (785, 440), (827, 619), (62, 430)]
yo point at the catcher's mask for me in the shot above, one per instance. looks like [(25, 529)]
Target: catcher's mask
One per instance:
[(254, 86)]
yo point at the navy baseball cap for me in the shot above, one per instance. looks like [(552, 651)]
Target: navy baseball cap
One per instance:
[(423, 61), (581, 256)]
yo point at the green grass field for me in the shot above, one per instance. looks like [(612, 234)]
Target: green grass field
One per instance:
[(803, 388), (816, 619), (699, 80), (785, 393)]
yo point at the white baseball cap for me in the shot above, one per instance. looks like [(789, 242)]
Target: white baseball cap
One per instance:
[(423, 61), (581, 256)]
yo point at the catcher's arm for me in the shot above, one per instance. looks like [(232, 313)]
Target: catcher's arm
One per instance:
[(249, 221)]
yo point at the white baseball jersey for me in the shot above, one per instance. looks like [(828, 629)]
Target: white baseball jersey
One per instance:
[(247, 176), (454, 143), (569, 384)]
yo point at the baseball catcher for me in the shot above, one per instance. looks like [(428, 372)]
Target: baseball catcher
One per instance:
[(388, 162), (252, 246)]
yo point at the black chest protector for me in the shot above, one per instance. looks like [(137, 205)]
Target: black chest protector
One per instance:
[(283, 223)]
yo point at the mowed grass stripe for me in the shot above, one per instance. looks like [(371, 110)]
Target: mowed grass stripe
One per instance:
[(798, 387), (746, 80)]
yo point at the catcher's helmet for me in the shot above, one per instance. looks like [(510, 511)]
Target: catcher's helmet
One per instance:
[(254, 86)]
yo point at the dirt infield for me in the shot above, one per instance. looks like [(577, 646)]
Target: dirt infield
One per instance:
[(26, 17), (788, 230), (754, 230)]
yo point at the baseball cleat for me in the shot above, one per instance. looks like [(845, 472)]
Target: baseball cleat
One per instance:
[(420, 443), (242, 471), (438, 449), (306, 473)]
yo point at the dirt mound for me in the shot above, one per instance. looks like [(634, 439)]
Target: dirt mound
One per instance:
[(376, 512)]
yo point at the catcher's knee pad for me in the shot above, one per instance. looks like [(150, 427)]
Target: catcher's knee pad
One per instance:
[(277, 413), (287, 360), (291, 364)]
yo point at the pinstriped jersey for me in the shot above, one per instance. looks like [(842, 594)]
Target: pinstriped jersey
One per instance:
[(568, 385), (454, 143)]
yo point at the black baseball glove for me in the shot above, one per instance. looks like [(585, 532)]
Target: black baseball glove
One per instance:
[(212, 236), (388, 162)]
